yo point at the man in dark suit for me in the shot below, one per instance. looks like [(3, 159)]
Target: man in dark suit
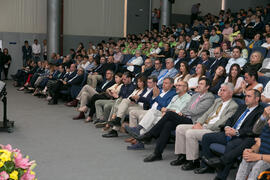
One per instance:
[(218, 61), (180, 58), (190, 44), (193, 60), (237, 129), (27, 53)]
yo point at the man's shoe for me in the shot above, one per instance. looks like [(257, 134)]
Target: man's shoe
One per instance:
[(179, 161), (73, 103), (80, 116), (214, 162), (146, 138), (101, 124), (137, 146), (153, 157), (190, 165), (202, 170), (115, 122), (133, 131), (110, 134)]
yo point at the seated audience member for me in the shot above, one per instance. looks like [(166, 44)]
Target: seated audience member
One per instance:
[(236, 79), (97, 75), (227, 31), (256, 41), (147, 68), (226, 51), (87, 92), (104, 106), (194, 109), (117, 56), (158, 68), (235, 135), (218, 61), (188, 136), (255, 62), (214, 38), (265, 98), (199, 72), (93, 63), (122, 107), (183, 74), (72, 77), (267, 43), (181, 44), (180, 58), (206, 46), (257, 158), (244, 52), (170, 71), (107, 95), (193, 60), (265, 69), (205, 59), (251, 82), (83, 63), (190, 44), (165, 52), (217, 79), (236, 59), (134, 61), (148, 119), (155, 50)]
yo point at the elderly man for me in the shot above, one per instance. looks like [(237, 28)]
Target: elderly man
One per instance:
[(134, 61), (152, 116), (194, 109), (170, 71), (218, 61), (187, 136), (237, 129), (147, 68), (236, 59)]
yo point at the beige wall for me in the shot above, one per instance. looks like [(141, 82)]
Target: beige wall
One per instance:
[(94, 17), (27, 16)]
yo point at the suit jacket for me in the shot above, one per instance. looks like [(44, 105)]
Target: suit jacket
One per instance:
[(77, 81), (109, 84), (225, 115), (193, 65), (247, 126), (27, 52), (172, 73), (70, 76), (258, 127), (177, 65), (221, 62), (165, 100), (145, 100), (201, 107), (193, 45)]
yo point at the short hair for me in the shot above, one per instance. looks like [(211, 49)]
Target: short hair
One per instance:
[(195, 50), (237, 47), (110, 71), (128, 74), (253, 73), (169, 59), (256, 93), (229, 85), (158, 60), (267, 35), (170, 79), (119, 74), (154, 78), (207, 52), (207, 81), (26, 42), (185, 82)]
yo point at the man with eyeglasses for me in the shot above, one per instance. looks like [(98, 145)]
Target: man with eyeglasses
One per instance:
[(154, 51), (158, 68), (170, 71)]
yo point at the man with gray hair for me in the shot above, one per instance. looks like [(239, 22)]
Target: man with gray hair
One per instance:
[(170, 71), (188, 136), (136, 60)]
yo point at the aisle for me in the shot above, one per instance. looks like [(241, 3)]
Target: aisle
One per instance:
[(72, 150)]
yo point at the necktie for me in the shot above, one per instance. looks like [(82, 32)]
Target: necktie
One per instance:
[(241, 119), (238, 122), (213, 65), (196, 102), (214, 115)]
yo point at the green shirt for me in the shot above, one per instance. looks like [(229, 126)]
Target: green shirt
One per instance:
[(178, 103)]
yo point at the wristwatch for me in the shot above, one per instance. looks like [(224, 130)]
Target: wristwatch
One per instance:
[(237, 133)]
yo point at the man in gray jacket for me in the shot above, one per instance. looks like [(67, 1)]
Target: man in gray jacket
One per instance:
[(187, 136), (195, 108)]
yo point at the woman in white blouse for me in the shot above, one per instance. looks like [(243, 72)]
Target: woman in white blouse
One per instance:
[(235, 78), (193, 81)]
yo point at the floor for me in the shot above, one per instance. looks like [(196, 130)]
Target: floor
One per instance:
[(72, 150)]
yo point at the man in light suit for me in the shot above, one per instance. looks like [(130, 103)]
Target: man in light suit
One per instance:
[(194, 109), (188, 136), (170, 71)]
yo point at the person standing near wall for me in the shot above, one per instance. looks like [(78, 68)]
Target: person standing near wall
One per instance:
[(1, 62), (36, 49), (155, 19), (195, 11), (44, 49), (27, 53), (6, 59)]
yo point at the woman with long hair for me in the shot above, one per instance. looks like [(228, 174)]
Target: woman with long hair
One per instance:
[(235, 78), (183, 74)]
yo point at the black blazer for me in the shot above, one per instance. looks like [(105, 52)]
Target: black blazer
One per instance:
[(193, 45), (145, 100), (109, 84), (247, 126), (222, 62), (77, 80)]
